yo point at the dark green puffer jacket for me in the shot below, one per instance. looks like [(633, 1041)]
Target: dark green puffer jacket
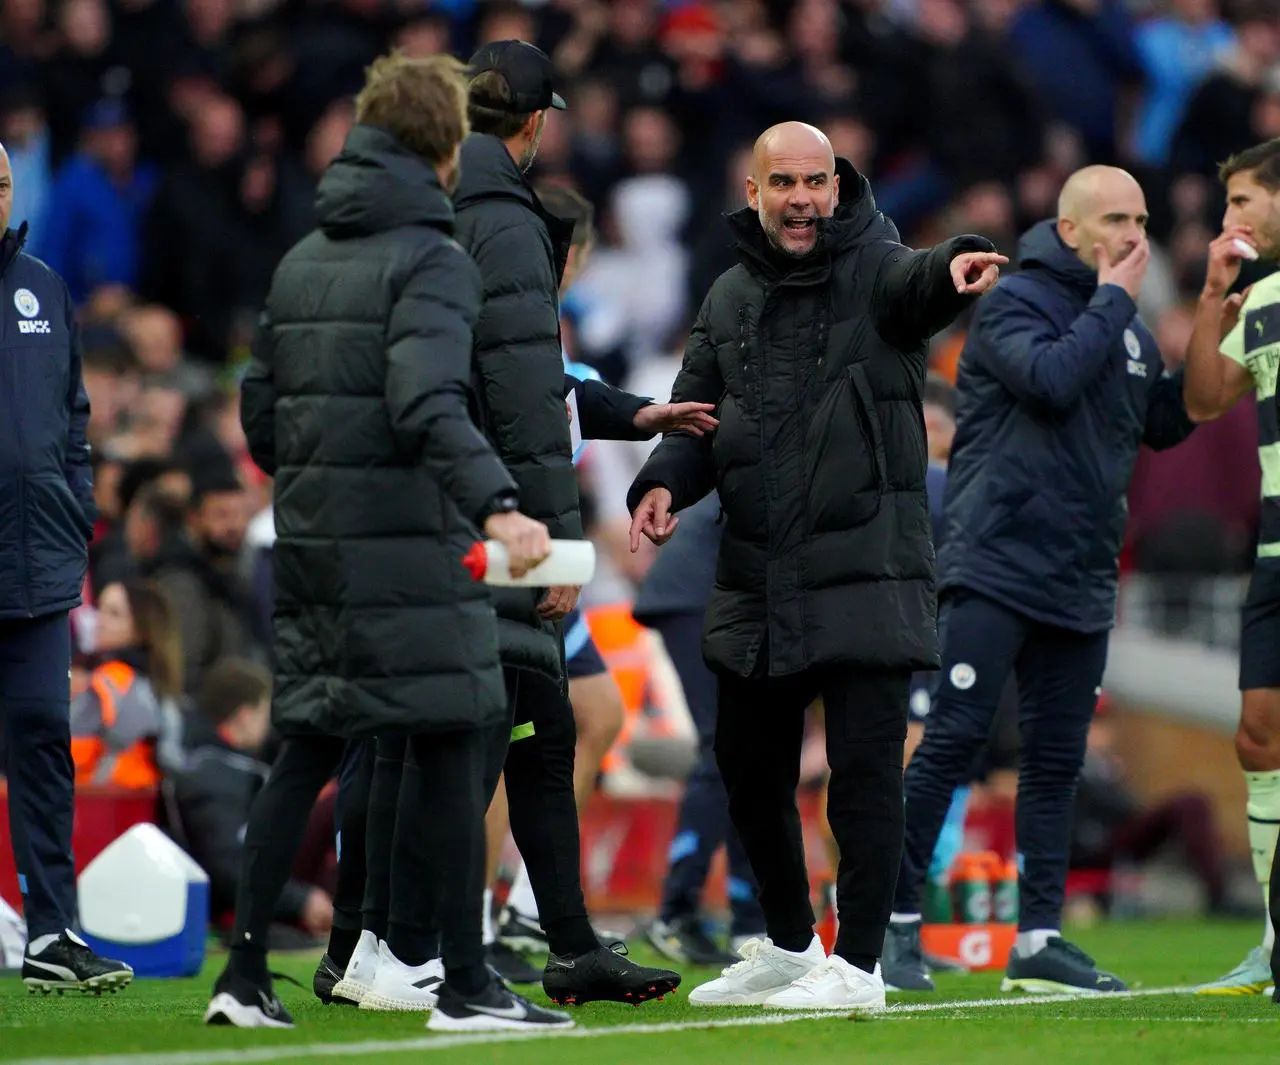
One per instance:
[(357, 403), (519, 372)]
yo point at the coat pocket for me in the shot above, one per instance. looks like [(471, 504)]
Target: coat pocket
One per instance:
[(847, 465)]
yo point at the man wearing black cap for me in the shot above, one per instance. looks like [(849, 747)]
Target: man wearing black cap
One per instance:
[(521, 251)]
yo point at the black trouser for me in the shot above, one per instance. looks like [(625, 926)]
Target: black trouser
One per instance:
[(355, 780), (444, 777), (277, 824), (536, 755), (1058, 673), (537, 765), (759, 734), (35, 709), (703, 823)]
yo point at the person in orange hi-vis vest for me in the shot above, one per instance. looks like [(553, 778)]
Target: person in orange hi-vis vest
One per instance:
[(126, 728)]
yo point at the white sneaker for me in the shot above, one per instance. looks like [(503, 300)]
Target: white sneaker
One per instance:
[(402, 988), (834, 985), (361, 969), (764, 971)]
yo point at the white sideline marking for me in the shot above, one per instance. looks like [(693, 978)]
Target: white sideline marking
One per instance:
[(445, 1042)]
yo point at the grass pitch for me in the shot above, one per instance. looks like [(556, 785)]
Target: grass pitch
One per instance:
[(966, 1022)]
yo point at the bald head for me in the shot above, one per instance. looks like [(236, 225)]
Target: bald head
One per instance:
[(6, 190), (1088, 186), (792, 184), (1101, 205), (790, 140)]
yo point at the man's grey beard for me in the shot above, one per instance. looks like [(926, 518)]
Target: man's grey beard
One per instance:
[(820, 226)]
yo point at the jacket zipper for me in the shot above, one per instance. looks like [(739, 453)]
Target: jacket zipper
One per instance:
[(23, 517), (804, 467), (9, 253)]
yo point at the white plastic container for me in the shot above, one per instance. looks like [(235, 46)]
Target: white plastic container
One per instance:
[(145, 902), (570, 562)]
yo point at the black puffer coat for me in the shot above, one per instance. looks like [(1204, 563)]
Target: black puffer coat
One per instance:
[(357, 403), (818, 368), (521, 250)]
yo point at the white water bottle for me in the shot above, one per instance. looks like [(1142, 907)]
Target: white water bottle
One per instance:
[(570, 562)]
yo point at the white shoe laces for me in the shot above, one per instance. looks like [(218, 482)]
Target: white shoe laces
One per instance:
[(752, 951), (819, 973)]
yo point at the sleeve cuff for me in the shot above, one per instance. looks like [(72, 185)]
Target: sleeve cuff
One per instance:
[(503, 502)]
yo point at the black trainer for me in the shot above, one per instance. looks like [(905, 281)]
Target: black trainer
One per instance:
[(521, 933), (1058, 968), (243, 1003), (67, 964), (902, 960), (686, 940), (935, 963), (510, 965), (605, 974), (496, 1009), (327, 976)]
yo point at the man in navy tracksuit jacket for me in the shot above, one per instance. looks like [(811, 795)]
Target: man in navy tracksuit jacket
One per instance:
[(46, 521), (1059, 385)]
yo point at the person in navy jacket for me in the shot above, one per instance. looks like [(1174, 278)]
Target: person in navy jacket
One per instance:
[(46, 522), (1059, 385)]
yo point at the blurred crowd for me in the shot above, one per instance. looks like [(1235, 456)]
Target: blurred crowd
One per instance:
[(166, 153)]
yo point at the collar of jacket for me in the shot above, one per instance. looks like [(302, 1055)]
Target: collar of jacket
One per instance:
[(855, 215), (134, 657), (489, 173), (377, 184), (10, 244), (1040, 248)]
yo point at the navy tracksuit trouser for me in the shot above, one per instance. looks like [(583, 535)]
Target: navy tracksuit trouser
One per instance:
[(35, 713), (1059, 672)]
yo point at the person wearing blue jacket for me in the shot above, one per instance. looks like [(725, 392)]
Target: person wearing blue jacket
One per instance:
[(1059, 385), (46, 521)]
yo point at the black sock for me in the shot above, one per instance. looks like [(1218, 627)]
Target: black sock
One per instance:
[(342, 944), (570, 937), (469, 981), (411, 945), (797, 942), (865, 962), (249, 961)]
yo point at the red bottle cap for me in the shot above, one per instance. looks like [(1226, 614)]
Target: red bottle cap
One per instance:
[(476, 561)]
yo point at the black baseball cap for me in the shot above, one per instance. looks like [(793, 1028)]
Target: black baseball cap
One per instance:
[(528, 73)]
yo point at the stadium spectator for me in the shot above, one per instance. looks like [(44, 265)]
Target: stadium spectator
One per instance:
[(198, 571), (208, 798), (126, 729)]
